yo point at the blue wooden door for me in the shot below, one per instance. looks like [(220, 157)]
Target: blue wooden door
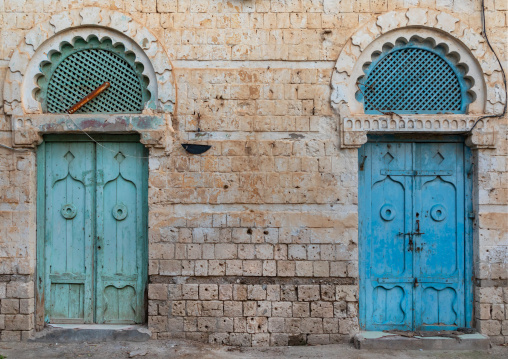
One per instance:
[(439, 207), (95, 221), (413, 236)]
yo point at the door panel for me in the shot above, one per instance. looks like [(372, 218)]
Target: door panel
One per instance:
[(412, 236), (95, 232), (120, 233), (68, 239), (385, 219), (439, 207), (388, 249), (437, 247)]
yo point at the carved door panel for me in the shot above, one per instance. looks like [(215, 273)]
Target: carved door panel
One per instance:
[(387, 288), (121, 226), (95, 232), (412, 226), (439, 249), (68, 249)]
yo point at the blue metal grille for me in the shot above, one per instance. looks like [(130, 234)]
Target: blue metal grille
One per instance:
[(412, 80), (82, 72)]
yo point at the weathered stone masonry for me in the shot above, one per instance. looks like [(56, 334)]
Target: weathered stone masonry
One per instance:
[(254, 242)]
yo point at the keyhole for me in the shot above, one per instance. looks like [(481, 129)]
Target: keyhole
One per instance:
[(439, 213), (119, 212), (388, 212), (69, 211), (99, 247)]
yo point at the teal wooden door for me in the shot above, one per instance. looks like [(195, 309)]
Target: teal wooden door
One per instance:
[(415, 230), (95, 220), (121, 229), (68, 250)]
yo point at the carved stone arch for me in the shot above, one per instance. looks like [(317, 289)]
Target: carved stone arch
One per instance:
[(44, 54), (28, 122), (462, 43)]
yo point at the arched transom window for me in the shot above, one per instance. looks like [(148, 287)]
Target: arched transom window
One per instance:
[(414, 78), (82, 66)]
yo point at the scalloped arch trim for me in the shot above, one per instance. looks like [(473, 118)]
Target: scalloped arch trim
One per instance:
[(120, 63), (23, 71), (470, 46)]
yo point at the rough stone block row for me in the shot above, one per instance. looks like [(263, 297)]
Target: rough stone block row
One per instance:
[(243, 249), (259, 339), (237, 51), (244, 292), (287, 195), (267, 94), (243, 21), (16, 309), (275, 309), (313, 243), (255, 324), (214, 81), (297, 226), (253, 183), (252, 268)]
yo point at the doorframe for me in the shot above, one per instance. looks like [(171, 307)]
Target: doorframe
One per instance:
[(468, 218), (41, 210)]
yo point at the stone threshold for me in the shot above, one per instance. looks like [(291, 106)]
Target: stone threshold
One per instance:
[(380, 340), (92, 333)]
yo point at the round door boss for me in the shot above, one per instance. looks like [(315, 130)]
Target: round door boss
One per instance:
[(438, 212), (68, 211), (119, 212), (387, 212)]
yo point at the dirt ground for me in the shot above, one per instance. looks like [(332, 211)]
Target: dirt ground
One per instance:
[(184, 349)]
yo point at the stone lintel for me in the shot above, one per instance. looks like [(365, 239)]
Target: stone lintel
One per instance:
[(354, 128), (29, 129)]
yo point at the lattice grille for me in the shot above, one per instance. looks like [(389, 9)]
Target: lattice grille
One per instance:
[(412, 80), (83, 71)]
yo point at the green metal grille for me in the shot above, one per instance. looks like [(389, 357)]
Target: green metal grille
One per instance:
[(413, 80), (82, 72), (81, 67)]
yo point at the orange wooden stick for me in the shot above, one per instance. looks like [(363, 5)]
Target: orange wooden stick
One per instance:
[(88, 97)]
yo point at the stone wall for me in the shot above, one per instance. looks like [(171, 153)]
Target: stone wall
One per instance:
[(17, 244), (256, 241), (491, 239)]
